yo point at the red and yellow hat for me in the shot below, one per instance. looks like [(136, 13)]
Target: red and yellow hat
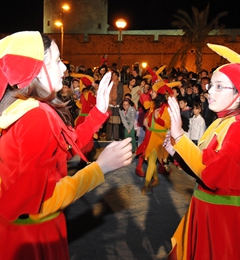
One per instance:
[(21, 59), (232, 69)]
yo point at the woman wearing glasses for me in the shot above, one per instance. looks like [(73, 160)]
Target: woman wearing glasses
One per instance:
[(210, 229)]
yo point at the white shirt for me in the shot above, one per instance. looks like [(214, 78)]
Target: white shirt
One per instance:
[(196, 127)]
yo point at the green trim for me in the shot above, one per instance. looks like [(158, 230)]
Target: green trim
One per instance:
[(157, 130), (31, 221), (152, 129), (217, 199), (83, 114)]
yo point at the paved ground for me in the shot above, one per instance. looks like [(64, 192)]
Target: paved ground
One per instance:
[(116, 222)]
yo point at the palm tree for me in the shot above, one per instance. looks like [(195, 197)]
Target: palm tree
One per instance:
[(196, 30)]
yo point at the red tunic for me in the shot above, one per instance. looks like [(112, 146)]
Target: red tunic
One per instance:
[(33, 156), (210, 229)]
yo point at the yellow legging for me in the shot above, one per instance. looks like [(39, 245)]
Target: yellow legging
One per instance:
[(152, 168)]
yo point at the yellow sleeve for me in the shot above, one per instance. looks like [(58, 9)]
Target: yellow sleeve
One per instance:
[(71, 188), (191, 154), (78, 104)]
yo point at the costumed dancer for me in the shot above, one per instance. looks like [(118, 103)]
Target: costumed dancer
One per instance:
[(36, 139), (157, 123), (85, 103), (210, 229)]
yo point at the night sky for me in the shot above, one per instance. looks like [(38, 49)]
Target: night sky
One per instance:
[(141, 15)]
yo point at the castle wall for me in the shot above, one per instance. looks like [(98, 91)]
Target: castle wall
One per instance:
[(79, 49)]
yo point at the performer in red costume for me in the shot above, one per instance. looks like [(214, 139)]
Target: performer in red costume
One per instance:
[(87, 101), (210, 229), (36, 139)]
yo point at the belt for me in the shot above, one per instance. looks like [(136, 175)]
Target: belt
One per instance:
[(158, 130), (217, 199), (83, 114), (113, 105), (25, 221)]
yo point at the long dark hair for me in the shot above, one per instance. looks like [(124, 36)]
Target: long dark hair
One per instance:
[(35, 90), (159, 100)]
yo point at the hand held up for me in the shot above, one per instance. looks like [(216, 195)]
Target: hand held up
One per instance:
[(104, 89), (115, 155), (176, 121)]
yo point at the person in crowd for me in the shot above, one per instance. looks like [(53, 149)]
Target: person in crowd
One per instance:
[(210, 228), (156, 122), (67, 73), (96, 74), (116, 96), (185, 109), (76, 89), (89, 72), (66, 95), (136, 75), (104, 60), (103, 70), (196, 124), (141, 113), (208, 115), (127, 113), (81, 69), (186, 113), (197, 90), (189, 95), (125, 74), (176, 92), (131, 84), (203, 73), (137, 65), (36, 132)]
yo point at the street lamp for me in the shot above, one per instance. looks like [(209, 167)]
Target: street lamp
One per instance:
[(65, 7), (121, 24)]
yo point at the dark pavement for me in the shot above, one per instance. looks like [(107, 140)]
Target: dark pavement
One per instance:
[(116, 222)]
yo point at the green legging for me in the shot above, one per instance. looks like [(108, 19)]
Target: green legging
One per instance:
[(131, 134), (152, 168)]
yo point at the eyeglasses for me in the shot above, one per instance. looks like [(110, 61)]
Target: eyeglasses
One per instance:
[(217, 88)]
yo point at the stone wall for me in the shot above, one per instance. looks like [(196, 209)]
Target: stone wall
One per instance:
[(79, 49), (155, 48)]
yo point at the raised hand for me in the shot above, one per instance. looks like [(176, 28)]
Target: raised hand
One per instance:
[(176, 121), (103, 93)]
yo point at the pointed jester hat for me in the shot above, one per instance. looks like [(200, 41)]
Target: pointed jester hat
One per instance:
[(21, 59), (160, 85), (231, 70)]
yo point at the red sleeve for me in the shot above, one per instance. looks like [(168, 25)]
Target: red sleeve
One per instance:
[(32, 173), (145, 100), (223, 166), (160, 121), (92, 100)]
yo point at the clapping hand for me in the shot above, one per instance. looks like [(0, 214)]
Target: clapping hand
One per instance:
[(104, 89), (176, 121), (115, 155)]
